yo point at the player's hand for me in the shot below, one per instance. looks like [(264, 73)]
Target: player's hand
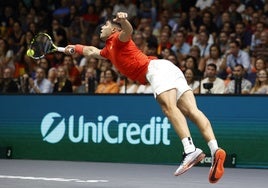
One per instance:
[(120, 17), (69, 50)]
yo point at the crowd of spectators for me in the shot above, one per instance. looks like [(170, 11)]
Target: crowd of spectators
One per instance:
[(220, 45)]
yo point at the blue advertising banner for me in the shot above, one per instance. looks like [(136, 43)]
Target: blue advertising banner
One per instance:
[(127, 128)]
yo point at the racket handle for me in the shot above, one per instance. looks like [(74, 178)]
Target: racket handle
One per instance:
[(62, 49)]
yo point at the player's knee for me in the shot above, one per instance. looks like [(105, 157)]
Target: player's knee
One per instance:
[(168, 109)]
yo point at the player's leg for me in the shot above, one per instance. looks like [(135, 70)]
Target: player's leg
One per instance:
[(187, 105), (192, 155)]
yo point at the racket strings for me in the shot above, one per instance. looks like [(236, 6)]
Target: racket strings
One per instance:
[(41, 45)]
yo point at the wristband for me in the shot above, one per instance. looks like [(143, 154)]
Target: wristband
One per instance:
[(79, 49)]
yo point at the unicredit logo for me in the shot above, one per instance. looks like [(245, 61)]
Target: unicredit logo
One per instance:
[(54, 127)]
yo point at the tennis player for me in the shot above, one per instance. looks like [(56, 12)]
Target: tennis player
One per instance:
[(169, 86)]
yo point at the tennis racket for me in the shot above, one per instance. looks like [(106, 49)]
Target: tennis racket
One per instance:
[(41, 45)]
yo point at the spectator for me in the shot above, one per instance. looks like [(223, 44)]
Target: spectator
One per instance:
[(261, 50), (7, 84), (165, 20), (173, 58), (63, 84), (244, 35), (212, 83), (261, 83), (52, 75), (190, 62), (44, 63), (180, 47), (234, 15), (89, 84), (196, 37), (6, 57), (256, 36), (239, 85), (203, 43), (126, 6), (215, 58), (207, 20), (148, 35), (148, 9), (236, 56), (128, 86), (73, 69), (192, 80), (223, 42), (259, 64), (139, 40), (62, 11), (193, 20), (40, 84), (164, 42), (16, 37), (109, 85)]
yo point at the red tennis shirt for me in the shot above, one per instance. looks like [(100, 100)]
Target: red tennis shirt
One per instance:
[(127, 58)]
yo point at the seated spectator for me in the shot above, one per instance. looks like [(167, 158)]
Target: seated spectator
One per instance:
[(191, 63), (203, 43), (74, 72), (52, 75), (63, 84), (109, 85), (261, 83), (139, 40), (7, 84), (180, 47), (238, 85), (256, 36), (128, 86), (215, 58), (126, 6), (173, 58), (212, 84), (191, 80), (244, 35), (223, 42), (6, 57), (259, 64), (40, 84), (236, 56), (164, 42), (148, 35), (261, 50), (89, 84)]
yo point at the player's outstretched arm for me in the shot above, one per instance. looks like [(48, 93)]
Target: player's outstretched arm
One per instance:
[(127, 29), (90, 51)]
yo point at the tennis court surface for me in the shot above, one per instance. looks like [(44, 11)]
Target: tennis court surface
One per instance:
[(66, 174)]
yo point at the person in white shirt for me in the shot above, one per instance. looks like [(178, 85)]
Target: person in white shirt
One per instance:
[(212, 84), (40, 84)]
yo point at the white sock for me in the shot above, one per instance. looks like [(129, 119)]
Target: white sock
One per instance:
[(188, 145), (213, 146)]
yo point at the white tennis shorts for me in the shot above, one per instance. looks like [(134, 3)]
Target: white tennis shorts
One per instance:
[(163, 75)]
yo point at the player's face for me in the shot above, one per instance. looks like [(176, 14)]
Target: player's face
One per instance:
[(106, 31)]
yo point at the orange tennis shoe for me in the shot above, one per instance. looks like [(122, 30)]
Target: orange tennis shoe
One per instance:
[(217, 167)]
